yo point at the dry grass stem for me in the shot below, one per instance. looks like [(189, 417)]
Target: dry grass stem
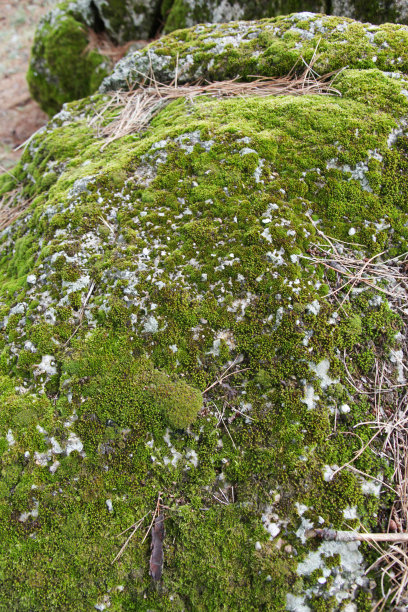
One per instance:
[(81, 312), (220, 416), (11, 207), (156, 512), (225, 375), (137, 107), (224, 498), (389, 401), (136, 526)]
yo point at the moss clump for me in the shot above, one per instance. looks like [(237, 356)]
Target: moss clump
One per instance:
[(127, 390), (180, 402)]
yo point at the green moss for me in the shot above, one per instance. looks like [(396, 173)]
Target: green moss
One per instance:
[(271, 47), (60, 49), (205, 264), (129, 391)]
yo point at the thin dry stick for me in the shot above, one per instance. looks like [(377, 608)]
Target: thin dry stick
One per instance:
[(221, 419), (223, 494), (220, 500), (3, 169), (155, 513), (12, 205), (81, 313), (354, 536), (108, 225), (366, 272), (391, 272), (358, 454), (224, 375), (131, 526), (359, 276), (136, 527), (221, 380)]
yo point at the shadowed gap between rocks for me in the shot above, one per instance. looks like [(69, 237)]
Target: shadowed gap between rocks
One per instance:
[(98, 24)]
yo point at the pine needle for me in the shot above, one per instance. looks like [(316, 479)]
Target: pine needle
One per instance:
[(138, 107)]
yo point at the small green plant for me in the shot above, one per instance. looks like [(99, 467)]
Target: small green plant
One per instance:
[(179, 401)]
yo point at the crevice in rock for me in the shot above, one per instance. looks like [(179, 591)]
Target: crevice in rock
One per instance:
[(158, 21), (98, 23)]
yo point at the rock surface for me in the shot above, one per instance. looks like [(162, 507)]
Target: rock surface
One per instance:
[(186, 13), (165, 334), (62, 43), (271, 47)]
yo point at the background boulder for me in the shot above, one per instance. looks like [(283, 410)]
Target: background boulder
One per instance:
[(186, 13), (76, 44)]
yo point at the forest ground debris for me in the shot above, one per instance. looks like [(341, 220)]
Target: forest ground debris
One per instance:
[(135, 526), (391, 423)]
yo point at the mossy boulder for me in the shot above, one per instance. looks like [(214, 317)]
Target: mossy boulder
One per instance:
[(64, 65), (125, 20), (62, 43), (375, 11), (167, 331), (271, 47)]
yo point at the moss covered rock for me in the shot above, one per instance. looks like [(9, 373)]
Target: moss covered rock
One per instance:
[(271, 47), (375, 11), (61, 46), (164, 334), (63, 65), (62, 68), (129, 19)]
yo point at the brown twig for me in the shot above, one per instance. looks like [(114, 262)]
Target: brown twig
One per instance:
[(354, 536), (81, 313), (156, 512)]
